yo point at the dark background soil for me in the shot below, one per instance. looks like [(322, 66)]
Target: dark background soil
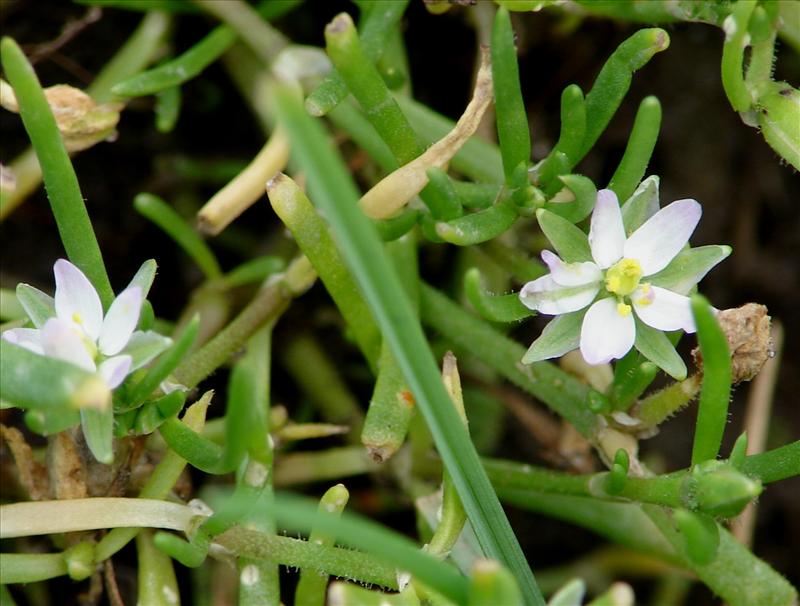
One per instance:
[(704, 152)]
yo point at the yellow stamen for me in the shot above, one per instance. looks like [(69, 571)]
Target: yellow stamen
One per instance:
[(623, 278), (647, 297), (76, 317), (623, 309)]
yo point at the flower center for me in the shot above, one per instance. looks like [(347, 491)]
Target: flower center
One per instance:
[(623, 278)]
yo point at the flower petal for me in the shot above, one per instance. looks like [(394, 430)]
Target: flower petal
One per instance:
[(571, 274), (547, 297), (76, 299), (62, 340), (606, 334), (114, 370), (29, 338), (664, 234), (663, 309), (120, 321), (606, 233)]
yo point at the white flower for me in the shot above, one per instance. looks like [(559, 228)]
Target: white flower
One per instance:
[(72, 326), (617, 273)]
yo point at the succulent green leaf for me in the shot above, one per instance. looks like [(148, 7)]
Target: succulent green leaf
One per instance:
[(712, 412)]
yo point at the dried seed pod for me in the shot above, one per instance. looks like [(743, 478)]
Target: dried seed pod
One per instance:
[(747, 329)]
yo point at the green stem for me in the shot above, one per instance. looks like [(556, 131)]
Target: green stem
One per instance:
[(297, 468), (160, 482), (658, 407), (267, 305), (157, 583), (735, 574), (774, 465), (311, 587), (735, 26), (295, 553), (260, 582), (49, 517), (31, 567)]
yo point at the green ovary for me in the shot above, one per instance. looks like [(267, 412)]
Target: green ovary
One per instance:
[(623, 277)]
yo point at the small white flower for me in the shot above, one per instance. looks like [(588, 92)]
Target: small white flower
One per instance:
[(618, 274), (74, 329)]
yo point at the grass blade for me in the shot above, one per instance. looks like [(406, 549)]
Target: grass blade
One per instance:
[(337, 197)]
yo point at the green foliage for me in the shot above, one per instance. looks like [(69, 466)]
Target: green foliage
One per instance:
[(471, 226)]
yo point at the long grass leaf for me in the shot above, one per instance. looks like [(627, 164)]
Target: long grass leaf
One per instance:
[(335, 194)]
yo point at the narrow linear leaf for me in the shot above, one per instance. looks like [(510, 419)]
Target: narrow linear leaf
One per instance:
[(614, 80), (512, 121), (640, 147), (63, 191), (495, 308), (160, 213)]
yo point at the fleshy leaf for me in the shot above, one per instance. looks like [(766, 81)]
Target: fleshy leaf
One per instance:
[(570, 242), (689, 267), (39, 306), (576, 200), (642, 205), (561, 335), (655, 346)]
